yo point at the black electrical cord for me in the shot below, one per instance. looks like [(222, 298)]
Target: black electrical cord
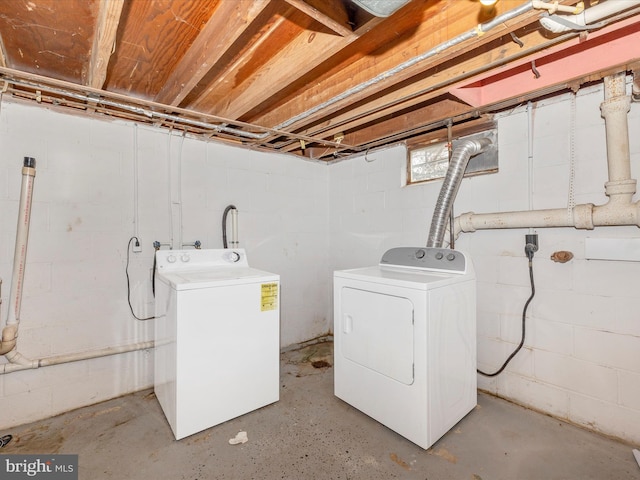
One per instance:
[(224, 224), (524, 314), (126, 271), (153, 276)]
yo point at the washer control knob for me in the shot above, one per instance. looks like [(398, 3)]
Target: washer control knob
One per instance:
[(451, 257), (234, 256), (171, 258), (420, 253), (439, 256), (185, 257)]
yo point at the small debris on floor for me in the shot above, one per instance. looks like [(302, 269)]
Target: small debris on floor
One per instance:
[(240, 438), (309, 360), (320, 364), (399, 461)]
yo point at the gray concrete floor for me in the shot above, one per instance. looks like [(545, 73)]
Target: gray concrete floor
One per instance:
[(310, 434)]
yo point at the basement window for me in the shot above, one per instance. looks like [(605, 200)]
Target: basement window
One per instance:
[(427, 163)]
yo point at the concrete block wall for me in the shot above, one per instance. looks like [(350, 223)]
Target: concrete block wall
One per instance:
[(75, 295), (581, 359), (303, 220)]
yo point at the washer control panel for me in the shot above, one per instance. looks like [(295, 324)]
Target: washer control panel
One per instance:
[(426, 258), (171, 260)]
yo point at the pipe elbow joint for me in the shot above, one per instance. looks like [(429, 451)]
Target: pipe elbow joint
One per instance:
[(17, 358), (474, 147), (9, 339)]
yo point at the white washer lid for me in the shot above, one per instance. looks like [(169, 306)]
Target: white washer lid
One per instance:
[(215, 277)]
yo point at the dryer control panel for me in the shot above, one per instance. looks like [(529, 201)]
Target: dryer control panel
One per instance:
[(425, 258)]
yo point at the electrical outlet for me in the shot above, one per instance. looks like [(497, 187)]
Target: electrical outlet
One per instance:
[(137, 247), (531, 244)]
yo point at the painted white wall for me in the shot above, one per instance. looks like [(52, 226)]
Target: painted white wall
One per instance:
[(83, 217), (581, 359)]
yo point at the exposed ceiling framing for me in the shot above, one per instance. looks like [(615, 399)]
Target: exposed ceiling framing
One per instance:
[(314, 78)]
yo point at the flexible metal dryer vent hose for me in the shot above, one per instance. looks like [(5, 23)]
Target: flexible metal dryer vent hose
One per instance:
[(452, 180)]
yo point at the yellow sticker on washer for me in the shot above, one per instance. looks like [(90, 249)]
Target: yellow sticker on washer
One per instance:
[(269, 297)]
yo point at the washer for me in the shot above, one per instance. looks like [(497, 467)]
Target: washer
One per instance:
[(217, 337), (405, 340)]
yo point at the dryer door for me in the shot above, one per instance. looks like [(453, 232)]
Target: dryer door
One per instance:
[(377, 332)]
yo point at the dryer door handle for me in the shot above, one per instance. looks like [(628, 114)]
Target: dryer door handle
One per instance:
[(347, 323)]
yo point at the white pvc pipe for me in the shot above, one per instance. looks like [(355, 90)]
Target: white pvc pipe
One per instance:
[(72, 357), (614, 110), (22, 235), (587, 17), (635, 88), (10, 332), (553, 7), (17, 361), (620, 188), (234, 243)]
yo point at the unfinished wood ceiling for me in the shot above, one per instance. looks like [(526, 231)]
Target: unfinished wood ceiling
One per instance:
[(316, 78)]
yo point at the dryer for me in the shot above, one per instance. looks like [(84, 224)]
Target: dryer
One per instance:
[(217, 337), (405, 340)]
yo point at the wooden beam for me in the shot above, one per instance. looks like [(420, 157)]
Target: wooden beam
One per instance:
[(438, 110), (308, 50), (3, 57), (230, 20), (433, 85), (340, 28), (305, 52), (454, 18), (441, 109), (463, 129), (224, 83), (602, 49), (104, 41)]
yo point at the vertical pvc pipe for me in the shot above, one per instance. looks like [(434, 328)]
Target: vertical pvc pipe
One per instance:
[(530, 157), (22, 236), (614, 109), (234, 228)]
